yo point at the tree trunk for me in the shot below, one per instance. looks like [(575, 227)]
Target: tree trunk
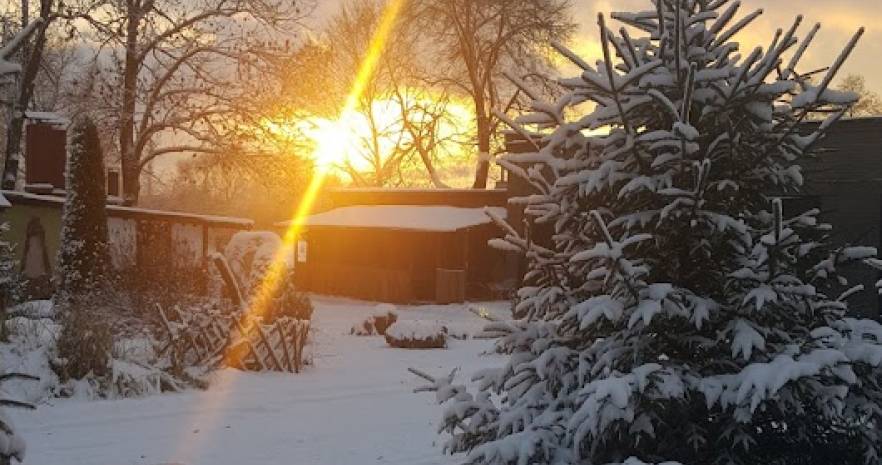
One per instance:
[(483, 169), (131, 169), (15, 130)]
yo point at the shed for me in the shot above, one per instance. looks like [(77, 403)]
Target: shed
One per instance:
[(844, 181), (400, 253), (152, 241)]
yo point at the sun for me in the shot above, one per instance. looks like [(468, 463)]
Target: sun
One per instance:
[(362, 139), (335, 141), (332, 143), (355, 140)]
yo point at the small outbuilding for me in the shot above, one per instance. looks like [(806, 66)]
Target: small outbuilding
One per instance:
[(151, 242), (401, 252)]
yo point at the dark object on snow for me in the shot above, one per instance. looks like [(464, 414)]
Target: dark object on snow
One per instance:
[(375, 325), (83, 258)]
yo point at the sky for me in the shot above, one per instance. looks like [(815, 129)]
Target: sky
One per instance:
[(839, 20)]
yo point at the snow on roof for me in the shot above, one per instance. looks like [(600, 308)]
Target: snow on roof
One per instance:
[(410, 217), (413, 190), (118, 210), (181, 215), (47, 117)]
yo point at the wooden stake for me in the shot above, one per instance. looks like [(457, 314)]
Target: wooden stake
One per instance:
[(281, 330)]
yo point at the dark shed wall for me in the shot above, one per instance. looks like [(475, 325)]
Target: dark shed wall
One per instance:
[(846, 178), (144, 239), (393, 265), (378, 264)]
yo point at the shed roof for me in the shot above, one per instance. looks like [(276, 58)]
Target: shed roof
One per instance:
[(56, 201), (432, 218), (465, 198), (47, 117)]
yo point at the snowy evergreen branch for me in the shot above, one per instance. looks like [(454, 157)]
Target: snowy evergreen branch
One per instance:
[(676, 314)]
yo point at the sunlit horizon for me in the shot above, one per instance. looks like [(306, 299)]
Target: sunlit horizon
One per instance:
[(346, 141)]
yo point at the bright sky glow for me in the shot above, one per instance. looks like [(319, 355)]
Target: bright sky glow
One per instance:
[(349, 140), (273, 279)]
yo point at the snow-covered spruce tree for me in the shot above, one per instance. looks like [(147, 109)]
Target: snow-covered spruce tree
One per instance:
[(83, 257), (676, 315)]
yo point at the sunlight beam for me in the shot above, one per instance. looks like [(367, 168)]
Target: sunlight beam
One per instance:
[(276, 273)]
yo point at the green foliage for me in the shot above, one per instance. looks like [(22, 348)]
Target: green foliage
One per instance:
[(83, 258)]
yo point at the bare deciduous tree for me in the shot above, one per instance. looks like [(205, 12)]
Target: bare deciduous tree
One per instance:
[(405, 128), (170, 70), (870, 103), (31, 62), (478, 40)]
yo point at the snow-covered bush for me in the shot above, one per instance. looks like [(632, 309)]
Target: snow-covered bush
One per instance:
[(12, 446), (417, 334), (676, 314), (30, 349), (83, 257), (250, 255), (134, 368), (290, 303), (84, 346), (128, 379)]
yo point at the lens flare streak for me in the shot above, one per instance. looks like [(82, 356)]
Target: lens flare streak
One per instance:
[(277, 271)]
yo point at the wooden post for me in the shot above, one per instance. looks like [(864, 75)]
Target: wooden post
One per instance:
[(172, 337), (269, 347), (229, 278), (245, 340), (300, 331), (280, 328), (293, 329)]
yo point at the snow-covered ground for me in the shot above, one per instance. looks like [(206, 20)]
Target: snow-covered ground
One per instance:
[(355, 406)]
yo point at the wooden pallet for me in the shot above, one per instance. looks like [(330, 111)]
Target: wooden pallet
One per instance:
[(239, 341)]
